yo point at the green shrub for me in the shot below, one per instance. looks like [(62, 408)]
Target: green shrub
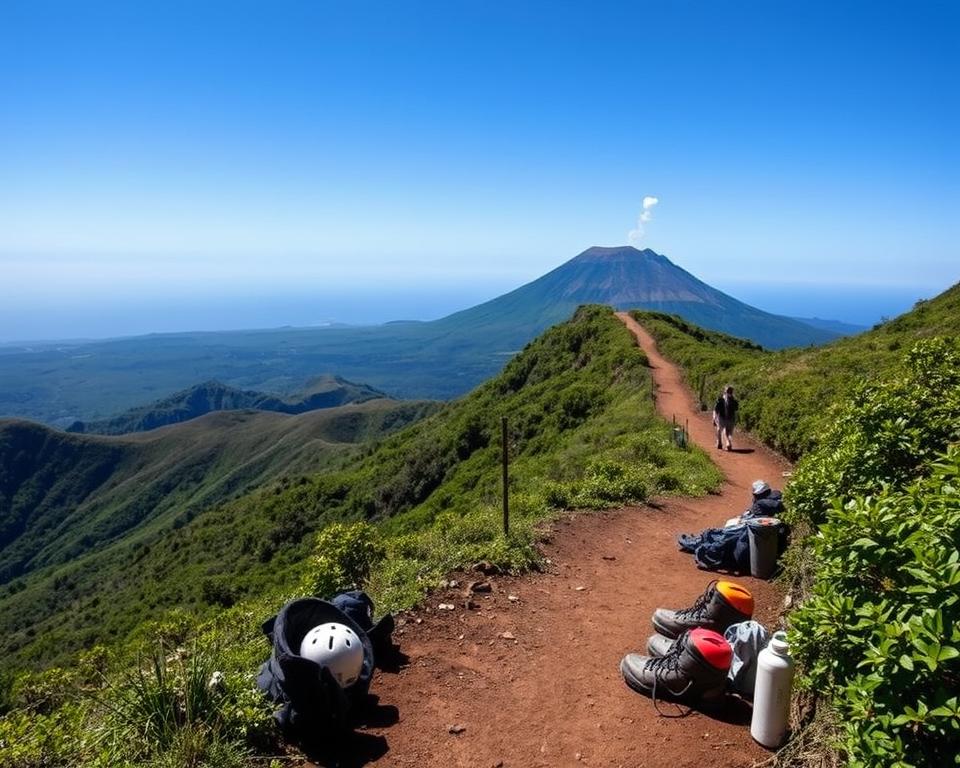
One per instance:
[(558, 495), (608, 482), (342, 558), (887, 432), (31, 740), (881, 633)]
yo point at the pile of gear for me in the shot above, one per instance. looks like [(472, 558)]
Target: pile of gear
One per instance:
[(699, 655), (749, 543)]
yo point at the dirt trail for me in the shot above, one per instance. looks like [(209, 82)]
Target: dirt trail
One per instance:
[(531, 677)]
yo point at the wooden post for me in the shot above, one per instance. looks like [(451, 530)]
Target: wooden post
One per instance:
[(506, 490)]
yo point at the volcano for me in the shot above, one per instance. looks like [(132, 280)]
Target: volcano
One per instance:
[(627, 278)]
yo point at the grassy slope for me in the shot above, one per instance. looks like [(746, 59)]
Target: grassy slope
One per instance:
[(63, 495), (785, 395), (583, 432)]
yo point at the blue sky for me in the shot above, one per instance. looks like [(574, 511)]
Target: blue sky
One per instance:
[(192, 152)]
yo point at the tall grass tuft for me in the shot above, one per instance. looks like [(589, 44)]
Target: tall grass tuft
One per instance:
[(170, 711)]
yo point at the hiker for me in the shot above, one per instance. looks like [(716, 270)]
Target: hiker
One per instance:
[(725, 416)]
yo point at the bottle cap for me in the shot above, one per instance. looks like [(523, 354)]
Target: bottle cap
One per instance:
[(778, 644)]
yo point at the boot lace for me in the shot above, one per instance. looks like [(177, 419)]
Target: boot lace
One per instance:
[(662, 666), (698, 610)]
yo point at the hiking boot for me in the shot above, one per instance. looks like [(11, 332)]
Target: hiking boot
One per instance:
[(694, 669), (724, 603), (658, 645)]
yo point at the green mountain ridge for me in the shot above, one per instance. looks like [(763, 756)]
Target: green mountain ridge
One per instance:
[(63, 495), (323, 392)]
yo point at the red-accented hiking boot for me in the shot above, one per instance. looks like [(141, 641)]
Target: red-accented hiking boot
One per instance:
[(694, 669)]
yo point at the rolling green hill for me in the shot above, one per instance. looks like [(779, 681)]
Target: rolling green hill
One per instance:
[(63, 495), (324, 392), (60, 384)]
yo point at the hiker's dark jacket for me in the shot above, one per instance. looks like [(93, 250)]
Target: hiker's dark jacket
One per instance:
[(726, 549), (726, 411)]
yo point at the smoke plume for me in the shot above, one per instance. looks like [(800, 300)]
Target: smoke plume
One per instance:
[(646, 214)]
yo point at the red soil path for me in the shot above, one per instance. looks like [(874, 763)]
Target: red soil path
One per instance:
[(531, 678)]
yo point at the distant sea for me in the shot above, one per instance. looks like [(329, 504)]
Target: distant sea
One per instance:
[(858, 305), (103, 317), (106, 317)]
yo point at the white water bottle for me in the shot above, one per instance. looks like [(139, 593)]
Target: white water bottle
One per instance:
[(771, 697)]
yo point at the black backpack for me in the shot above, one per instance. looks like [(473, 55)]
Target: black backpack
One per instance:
[(310, 697)]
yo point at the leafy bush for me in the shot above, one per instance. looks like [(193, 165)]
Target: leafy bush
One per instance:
[(881, 632), (342, 558), (606, 482), (31, 740), (887, 432)]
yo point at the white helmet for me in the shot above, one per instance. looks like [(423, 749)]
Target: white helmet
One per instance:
[(336, 647)]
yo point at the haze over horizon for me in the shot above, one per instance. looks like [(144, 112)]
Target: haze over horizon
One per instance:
[(372, 305), (232, 165), (356, 305)]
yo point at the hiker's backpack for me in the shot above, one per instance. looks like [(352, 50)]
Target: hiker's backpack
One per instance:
[(310, 698)]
